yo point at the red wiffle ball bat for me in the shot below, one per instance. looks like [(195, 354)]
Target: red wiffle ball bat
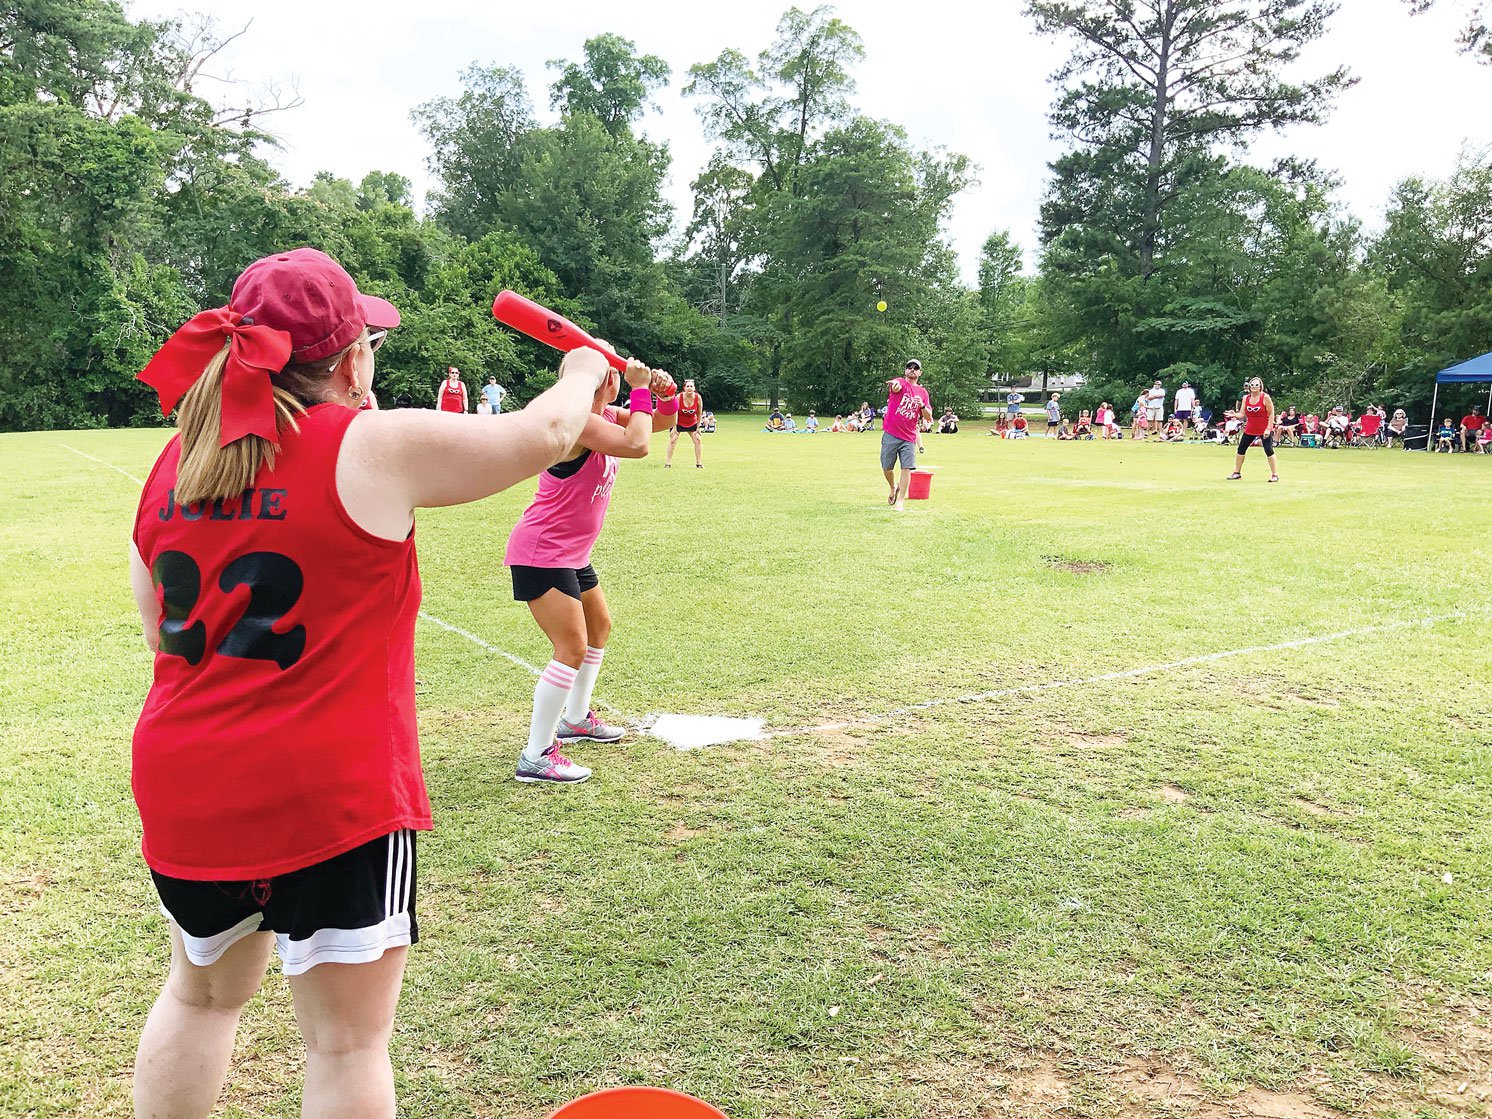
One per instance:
[(552, 329)]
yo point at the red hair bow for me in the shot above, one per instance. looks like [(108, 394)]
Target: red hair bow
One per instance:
[(254, 352)]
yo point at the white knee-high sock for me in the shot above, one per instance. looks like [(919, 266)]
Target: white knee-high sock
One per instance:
[(550, 692), (585, 683)]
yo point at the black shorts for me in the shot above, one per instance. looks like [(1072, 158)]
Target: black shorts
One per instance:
[(349, 909), (1246, 441), (690, 430), (530, 583)]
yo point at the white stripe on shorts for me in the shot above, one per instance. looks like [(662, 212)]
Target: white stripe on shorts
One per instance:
[(342, 946), (205, 950)]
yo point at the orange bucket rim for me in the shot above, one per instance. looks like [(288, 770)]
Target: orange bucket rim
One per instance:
[(692, 1108)]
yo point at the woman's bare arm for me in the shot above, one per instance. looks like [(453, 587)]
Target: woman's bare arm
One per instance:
[(394, 462)]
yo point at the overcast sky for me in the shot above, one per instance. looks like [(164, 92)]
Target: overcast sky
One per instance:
[(972, 83)]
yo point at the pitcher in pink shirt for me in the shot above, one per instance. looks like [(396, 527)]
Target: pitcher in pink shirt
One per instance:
[(549, 551), (907, 403)]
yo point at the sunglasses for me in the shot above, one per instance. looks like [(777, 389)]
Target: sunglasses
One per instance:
[(376, 338)]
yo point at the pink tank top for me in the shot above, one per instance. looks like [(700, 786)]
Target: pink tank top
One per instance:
[(560, 527)]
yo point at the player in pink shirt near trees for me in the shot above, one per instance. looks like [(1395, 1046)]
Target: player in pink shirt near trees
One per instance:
[(907, 403), (549, 552)]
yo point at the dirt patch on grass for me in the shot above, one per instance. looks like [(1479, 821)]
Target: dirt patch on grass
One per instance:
[(681, 833), (1313, 700), (1453, 1040), (1076, 566), (1320, 811), (1085, 741), (20, 891), (1138, 1088), (1173, 794)]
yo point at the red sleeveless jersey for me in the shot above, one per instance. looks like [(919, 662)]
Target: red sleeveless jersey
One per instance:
[(1256, 415), (689, 416), (280, 726), (450, 397)]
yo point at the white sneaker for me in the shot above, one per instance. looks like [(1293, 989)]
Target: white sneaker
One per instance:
[(589, 729), (552, 767)]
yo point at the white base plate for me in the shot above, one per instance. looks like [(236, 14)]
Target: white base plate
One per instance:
[(691, 732)]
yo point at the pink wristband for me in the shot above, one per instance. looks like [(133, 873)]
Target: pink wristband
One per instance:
[(669, 406), (640, 400)]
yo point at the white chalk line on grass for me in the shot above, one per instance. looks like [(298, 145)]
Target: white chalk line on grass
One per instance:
[(491, 648), (1126, 674), (101, 462)]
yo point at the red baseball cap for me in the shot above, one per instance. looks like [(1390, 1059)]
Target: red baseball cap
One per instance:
[(311, 297)]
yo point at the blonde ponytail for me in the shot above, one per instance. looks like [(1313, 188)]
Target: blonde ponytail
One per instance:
[(207, 471)]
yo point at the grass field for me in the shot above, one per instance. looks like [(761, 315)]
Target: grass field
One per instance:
[(1257, 883)]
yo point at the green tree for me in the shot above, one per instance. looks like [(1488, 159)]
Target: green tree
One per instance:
[(613, 83), (1151, 89), (1435, 254)]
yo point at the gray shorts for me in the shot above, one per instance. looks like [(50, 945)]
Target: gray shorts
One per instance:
[(893, 448)]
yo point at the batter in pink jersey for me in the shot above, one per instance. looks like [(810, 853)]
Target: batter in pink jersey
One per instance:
[(907, 403), (549, 552)]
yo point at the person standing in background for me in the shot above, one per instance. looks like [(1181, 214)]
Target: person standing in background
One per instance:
[(1155, 405), (1186, 403), (450, 394), (493, 393)]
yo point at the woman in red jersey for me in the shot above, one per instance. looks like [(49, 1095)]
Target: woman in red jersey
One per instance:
[(450, 394), (691, 407), (1257, 410), (276, 764)]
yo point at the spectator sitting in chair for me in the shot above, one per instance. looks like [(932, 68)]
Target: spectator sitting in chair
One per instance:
[(707, 423), (948, 422), (867, 416), (1084, 428), (1484, 441), (1471, 428), (1287, 425), (1445, 436), (1396, 427), (1338, 427)]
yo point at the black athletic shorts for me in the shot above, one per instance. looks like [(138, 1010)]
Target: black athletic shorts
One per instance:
[(688, 430), (1246, 441), (349, 909), (530, 583)]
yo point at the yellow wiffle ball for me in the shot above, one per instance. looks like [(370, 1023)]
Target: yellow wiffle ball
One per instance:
[(881, 306)]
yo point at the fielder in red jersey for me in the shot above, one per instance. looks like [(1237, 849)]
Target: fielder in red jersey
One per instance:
[(276, 762), (450, 394), (691, 408), (1256, 410)]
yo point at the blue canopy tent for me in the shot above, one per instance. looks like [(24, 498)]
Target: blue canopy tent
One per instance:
[(1472, 372)]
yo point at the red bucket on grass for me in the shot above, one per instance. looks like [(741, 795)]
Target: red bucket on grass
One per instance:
[(920, 488), (638, 1103)]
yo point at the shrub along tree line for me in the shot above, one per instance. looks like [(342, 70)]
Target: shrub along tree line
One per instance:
[(129, 202)]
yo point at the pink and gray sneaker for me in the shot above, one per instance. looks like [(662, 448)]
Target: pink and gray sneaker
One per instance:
[(589, 729), (552, 767)]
